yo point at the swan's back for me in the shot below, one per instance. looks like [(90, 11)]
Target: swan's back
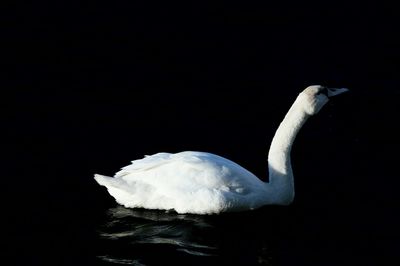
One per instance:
[(189, 182)]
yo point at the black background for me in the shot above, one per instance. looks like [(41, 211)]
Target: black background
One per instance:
[(87, 87)]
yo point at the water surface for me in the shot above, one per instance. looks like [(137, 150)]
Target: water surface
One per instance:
[(147, 237)]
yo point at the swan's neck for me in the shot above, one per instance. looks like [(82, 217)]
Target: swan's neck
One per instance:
[(281, 184)]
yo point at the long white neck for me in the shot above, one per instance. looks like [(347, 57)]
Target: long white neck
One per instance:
[(281, 184)]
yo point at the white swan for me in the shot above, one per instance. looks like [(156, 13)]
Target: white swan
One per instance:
[(204, 183)]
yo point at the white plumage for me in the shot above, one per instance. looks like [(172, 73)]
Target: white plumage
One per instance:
[(205, 183), (185, 181)]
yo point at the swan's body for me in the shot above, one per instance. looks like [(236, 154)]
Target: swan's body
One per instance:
[(186, 181), (204, 183)]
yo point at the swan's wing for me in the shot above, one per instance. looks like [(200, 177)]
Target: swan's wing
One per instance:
[(203, 169), (148, 162)]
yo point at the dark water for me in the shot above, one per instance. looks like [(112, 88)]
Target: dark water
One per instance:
[(144, 237), (295, 235), (269, 236), (150, 237), (312, 231), (87, 88), (345, 210)]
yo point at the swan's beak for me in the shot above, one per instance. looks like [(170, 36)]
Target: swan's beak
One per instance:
[(336, 91)]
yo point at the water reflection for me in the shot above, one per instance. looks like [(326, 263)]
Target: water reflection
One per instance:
[(145, 237)]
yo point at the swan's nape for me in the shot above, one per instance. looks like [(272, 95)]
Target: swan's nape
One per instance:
[(205, 183)]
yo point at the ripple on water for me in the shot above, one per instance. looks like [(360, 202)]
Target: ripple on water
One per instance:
[(148, 237), (110, 259), (128, 234)]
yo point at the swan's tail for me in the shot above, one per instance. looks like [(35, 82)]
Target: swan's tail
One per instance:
[(117, 188), (103, 180)]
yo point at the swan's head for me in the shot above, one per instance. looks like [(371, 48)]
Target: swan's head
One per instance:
[(313, 98)]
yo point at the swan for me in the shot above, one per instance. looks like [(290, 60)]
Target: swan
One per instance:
[(205, 183)]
